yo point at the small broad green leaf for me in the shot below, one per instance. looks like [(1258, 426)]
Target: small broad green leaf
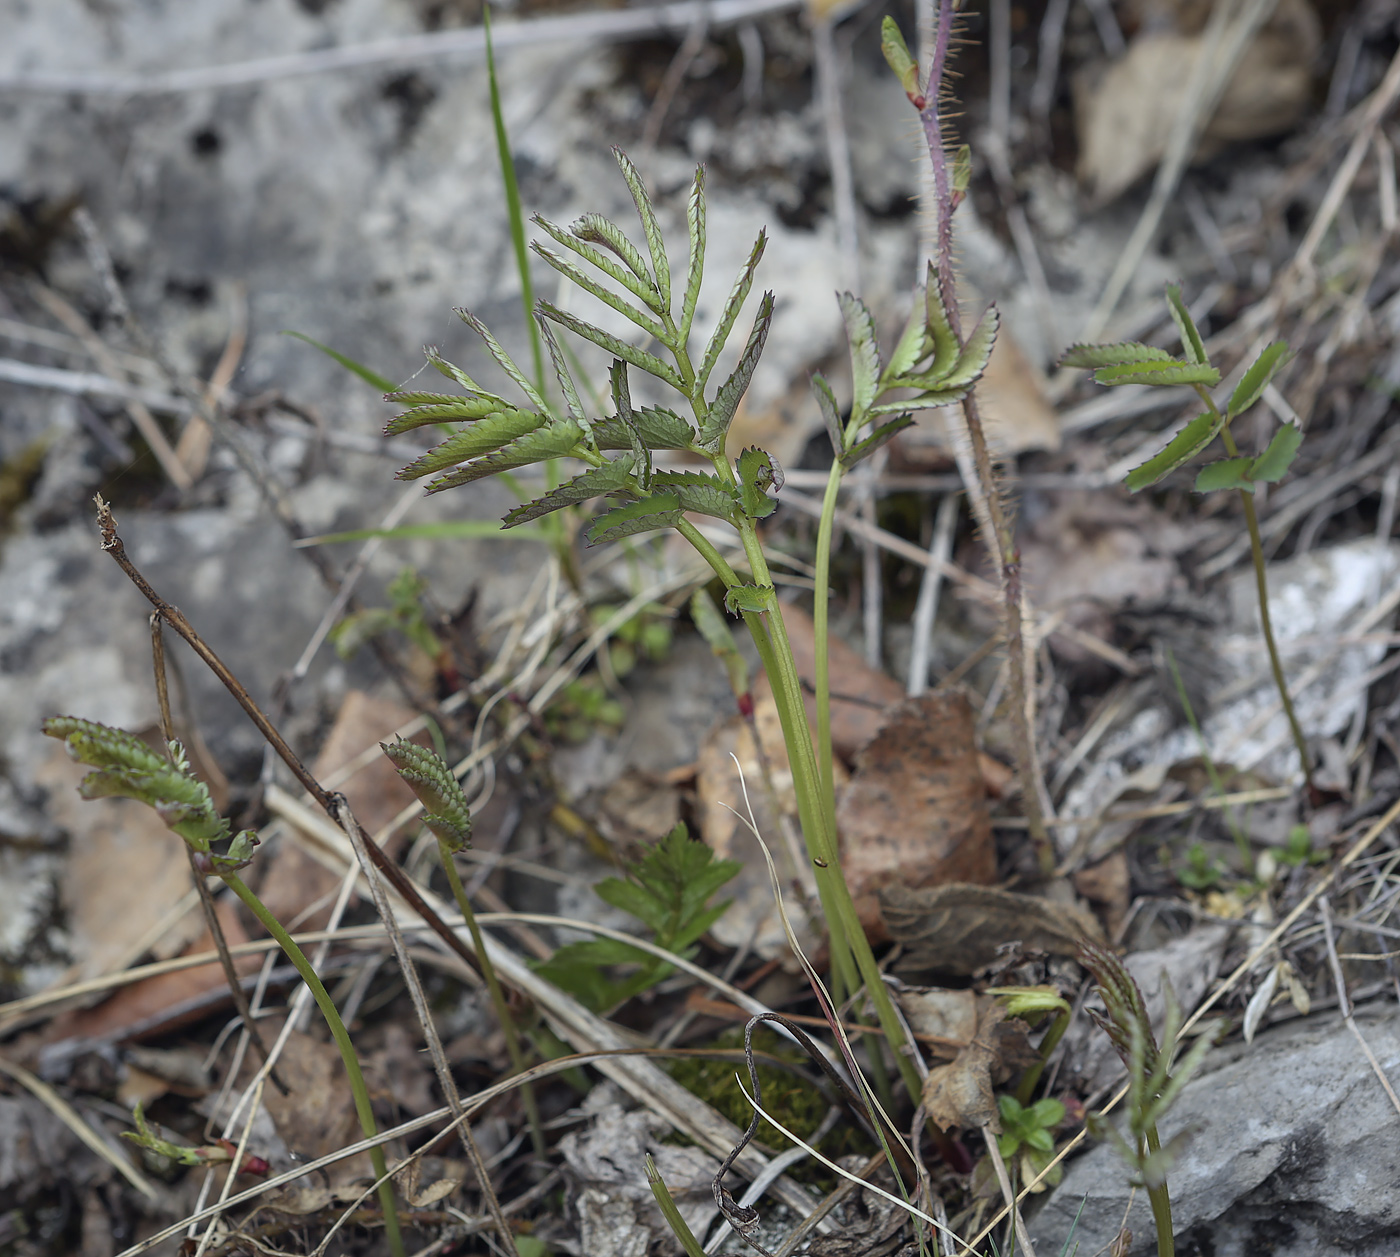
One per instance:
[(715, 630), (831, 413), (572, 404), (555, 440), (940, 327), (885, 432), (1159, 374), (609, 298), (490, 434), (579, 239), (597, 482), (371, 377), (450, 409), (639, 358), (695, 228), (721, 413), (660, 510), (913, 343), (660, 429), (661, 268), (758, 472), (1191, 342), (699, 491), (1273, 464), (1251, 387), (740, 598), (732, 305), (1228, 473), (640, 901), (1184, 446), (865, 353), (504, 360), (1092, 357), (897, 56)]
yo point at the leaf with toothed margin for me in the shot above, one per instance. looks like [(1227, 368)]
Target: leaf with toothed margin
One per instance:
[(1191, 343), (405, 397), (721, 413), (1228, 473), (1091, 357), (453, 372), (740, 598), (1184, 446), (865, 353), (579, 239), (660, 510), (1161, 374), (940, 327), (660, 429), (622, 402), (596, 482), (554, 440), (651, 228), (913, 344), (758, 471), (966, 370), (595, 229), (831, 413), (1273, 464), (639, 358), (732, 305), (490, 434), (572, 404), (1254, 381), (695, 271), (885, 432), (454, 409), (503, 360), (606, 295), (699, 491)]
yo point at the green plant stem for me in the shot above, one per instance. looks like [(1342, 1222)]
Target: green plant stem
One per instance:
[(498, 997), (821, 617), (1161, 1202), (342, 1041), (1048, 1044), (1261, 585)]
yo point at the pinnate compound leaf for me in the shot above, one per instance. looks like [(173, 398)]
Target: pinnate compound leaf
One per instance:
[(639, 358), (732, 305), (596, 482), (609, 298), (504, 360), (1191, 343), (1273, 464), (1229, 473), (555, 440), (884, 433), (445, 810), (660, 510), (660, 429), (699, 491), (758, 472), (831, 413), (579, 240), (1184, 446), (1251, 387), (1159, 374), (865, 353), (650, 226), (695, 271), (726, 402), (1092, 357), (740, 598), (490, 434)]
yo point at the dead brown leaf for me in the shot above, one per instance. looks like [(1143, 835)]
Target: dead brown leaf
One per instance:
[(1107, 885), (958, 929), (960, 1094), (932, 1010), (317, 1115), (915, 811)]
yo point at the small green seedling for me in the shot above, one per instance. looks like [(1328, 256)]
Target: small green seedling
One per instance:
[(1298, 849), (1129, 362), (1032, 1004), (1201, 871), (668, 889), (1027, 1138)]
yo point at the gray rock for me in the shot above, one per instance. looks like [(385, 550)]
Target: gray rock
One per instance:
[(1294, 1154)]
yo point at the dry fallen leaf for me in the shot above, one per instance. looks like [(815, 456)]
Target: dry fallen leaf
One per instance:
[(957, 929), (932, 1010), (960, 1095), (915, 811), (317, 1115), (1108, 886)]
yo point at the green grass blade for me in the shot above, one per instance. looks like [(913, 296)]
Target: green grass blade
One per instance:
[(373, 378), (516, 214), (669, 1211)]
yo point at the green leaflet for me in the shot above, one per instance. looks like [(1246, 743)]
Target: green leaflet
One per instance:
[(1158, 373), (940, 327), (661, 429), (609, 298), (554, 440), (726, 402), (758, 472), (699, 491), (740, 598), (1229, 473), (695, 228), (453, 373), (897, 57), (503, 360), (572, 404), (885, 432), (599, 230), (597, 482), (865, 353), (407, 398), (1273, 464), (660, 266), (831, 413), (491, 433), (445, 810), (639, 358), (1094, 356), (913, 343), (590, 228), (622, 402), (943, 388), (453, 409), (737, 296), (1191, 343), (1184, 446), (1251, 387), (660, 510)]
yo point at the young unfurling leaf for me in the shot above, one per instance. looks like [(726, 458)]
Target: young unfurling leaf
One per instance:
[(758, 472), (739, 598), (1191, 342), (831, 414), (897, 55)]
